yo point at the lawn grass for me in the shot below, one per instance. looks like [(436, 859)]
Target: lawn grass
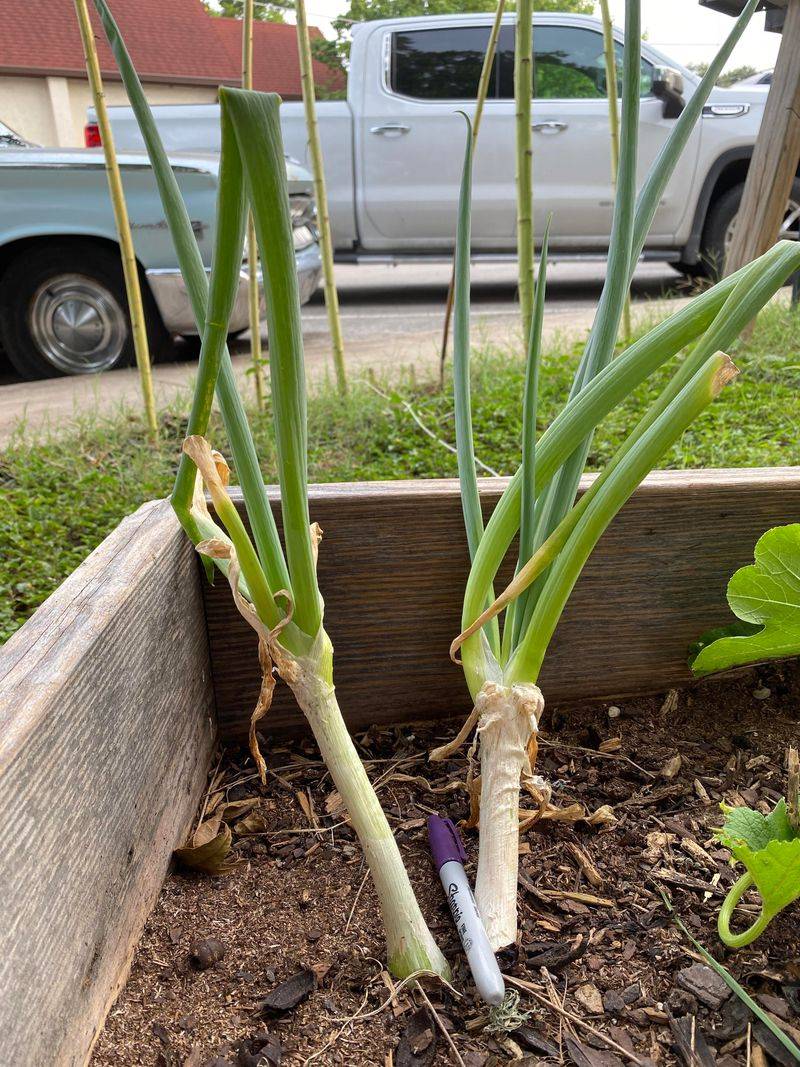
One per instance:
[(60, 496)]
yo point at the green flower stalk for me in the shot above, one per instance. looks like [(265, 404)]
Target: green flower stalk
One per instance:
[(523, 95)]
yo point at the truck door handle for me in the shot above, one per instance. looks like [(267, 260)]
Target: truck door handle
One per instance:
[(549, 127), (396, 129)]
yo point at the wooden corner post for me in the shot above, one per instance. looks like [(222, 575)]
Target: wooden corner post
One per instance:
[(776, 155)]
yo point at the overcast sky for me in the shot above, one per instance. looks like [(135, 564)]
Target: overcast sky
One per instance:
[(680, 28)]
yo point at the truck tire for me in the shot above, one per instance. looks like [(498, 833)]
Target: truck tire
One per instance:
[(718, 229), (192, 342), (63, 310)]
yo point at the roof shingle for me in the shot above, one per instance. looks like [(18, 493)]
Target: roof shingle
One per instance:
[(169, 41)]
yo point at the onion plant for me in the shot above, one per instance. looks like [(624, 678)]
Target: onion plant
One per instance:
[(556, 534), (276, 591)]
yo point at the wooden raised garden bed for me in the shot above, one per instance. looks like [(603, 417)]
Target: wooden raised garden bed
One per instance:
[(112, 694)]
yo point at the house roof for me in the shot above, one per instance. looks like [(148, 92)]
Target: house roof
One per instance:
[(276, 66), (169, 41)]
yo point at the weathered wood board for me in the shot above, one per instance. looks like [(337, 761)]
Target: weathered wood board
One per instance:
[(392, 567), (105, 738), (773, 168)]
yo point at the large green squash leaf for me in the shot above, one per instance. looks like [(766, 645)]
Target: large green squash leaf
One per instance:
[(745, 827), (766, 598)]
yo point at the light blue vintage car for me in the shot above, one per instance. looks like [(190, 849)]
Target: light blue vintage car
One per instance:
[(62, 297)]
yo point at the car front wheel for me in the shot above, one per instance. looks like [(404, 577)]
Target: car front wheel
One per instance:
[(64, 311)]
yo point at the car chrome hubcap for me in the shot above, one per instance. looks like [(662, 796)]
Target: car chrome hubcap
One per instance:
[(77, 324), (790, 227)]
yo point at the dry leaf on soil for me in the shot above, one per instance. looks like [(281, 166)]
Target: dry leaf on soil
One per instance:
[(208, 847)]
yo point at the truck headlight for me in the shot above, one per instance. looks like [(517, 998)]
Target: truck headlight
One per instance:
[(301, 208), (303, 236)]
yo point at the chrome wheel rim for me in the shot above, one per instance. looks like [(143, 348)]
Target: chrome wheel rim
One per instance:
[(78, 325), (790, 227)]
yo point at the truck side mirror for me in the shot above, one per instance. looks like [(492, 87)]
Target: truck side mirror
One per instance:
[(668, 86)]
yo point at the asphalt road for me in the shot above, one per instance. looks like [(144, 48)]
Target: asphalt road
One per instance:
[(391, 318)]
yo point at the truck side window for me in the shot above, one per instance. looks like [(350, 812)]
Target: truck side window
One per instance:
[(568, 64), (439, 64)]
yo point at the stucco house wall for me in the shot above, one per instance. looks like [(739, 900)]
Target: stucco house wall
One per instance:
[(51, 110)]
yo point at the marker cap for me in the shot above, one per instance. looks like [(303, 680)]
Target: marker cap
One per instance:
[(444, 841)]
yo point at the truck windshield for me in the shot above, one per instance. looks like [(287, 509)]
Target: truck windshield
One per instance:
[(445, 63)]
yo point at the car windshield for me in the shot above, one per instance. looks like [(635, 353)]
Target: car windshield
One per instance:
[(9, 139)]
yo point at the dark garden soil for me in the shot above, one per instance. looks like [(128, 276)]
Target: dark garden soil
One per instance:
[(595, 938)]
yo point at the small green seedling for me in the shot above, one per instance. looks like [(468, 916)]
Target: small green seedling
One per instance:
[(768, 846), (765, 597)]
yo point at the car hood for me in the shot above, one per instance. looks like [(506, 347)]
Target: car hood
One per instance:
[(202, 162), (90, 157)]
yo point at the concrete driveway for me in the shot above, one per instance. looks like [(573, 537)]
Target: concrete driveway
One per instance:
[(392, 318)]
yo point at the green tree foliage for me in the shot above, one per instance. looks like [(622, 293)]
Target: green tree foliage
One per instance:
[(234, 9), (336, 51), (728, 77)]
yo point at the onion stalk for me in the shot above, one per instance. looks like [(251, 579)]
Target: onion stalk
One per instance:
[(523, 96), (609, 52), (557, 534), (275, 591)]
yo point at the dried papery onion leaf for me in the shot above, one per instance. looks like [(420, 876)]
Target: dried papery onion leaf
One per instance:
[(254, 823), (208, 849)]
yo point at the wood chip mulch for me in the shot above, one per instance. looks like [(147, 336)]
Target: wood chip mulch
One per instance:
[(281, 961)]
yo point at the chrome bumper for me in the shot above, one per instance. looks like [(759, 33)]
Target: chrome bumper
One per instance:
[(169, 292)]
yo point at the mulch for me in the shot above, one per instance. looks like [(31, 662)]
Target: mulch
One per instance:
[(281, 961)]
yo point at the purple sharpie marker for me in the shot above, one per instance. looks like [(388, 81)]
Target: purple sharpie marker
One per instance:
[(449, 857)]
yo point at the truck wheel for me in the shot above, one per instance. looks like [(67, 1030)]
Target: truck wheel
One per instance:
[(63, 310), (718, 231), (191, 343)]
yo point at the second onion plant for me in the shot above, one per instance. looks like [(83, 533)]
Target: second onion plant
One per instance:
[(556, 533)]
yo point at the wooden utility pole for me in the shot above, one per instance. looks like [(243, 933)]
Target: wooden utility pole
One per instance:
[(777, 152)]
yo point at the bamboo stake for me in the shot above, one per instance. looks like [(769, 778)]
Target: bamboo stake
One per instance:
[(320, 192), (613, 125), (130, 268), (483, 90), (523, 95), (253, 300)]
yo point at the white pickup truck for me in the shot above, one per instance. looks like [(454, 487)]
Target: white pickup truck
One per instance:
[(393, 150)]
